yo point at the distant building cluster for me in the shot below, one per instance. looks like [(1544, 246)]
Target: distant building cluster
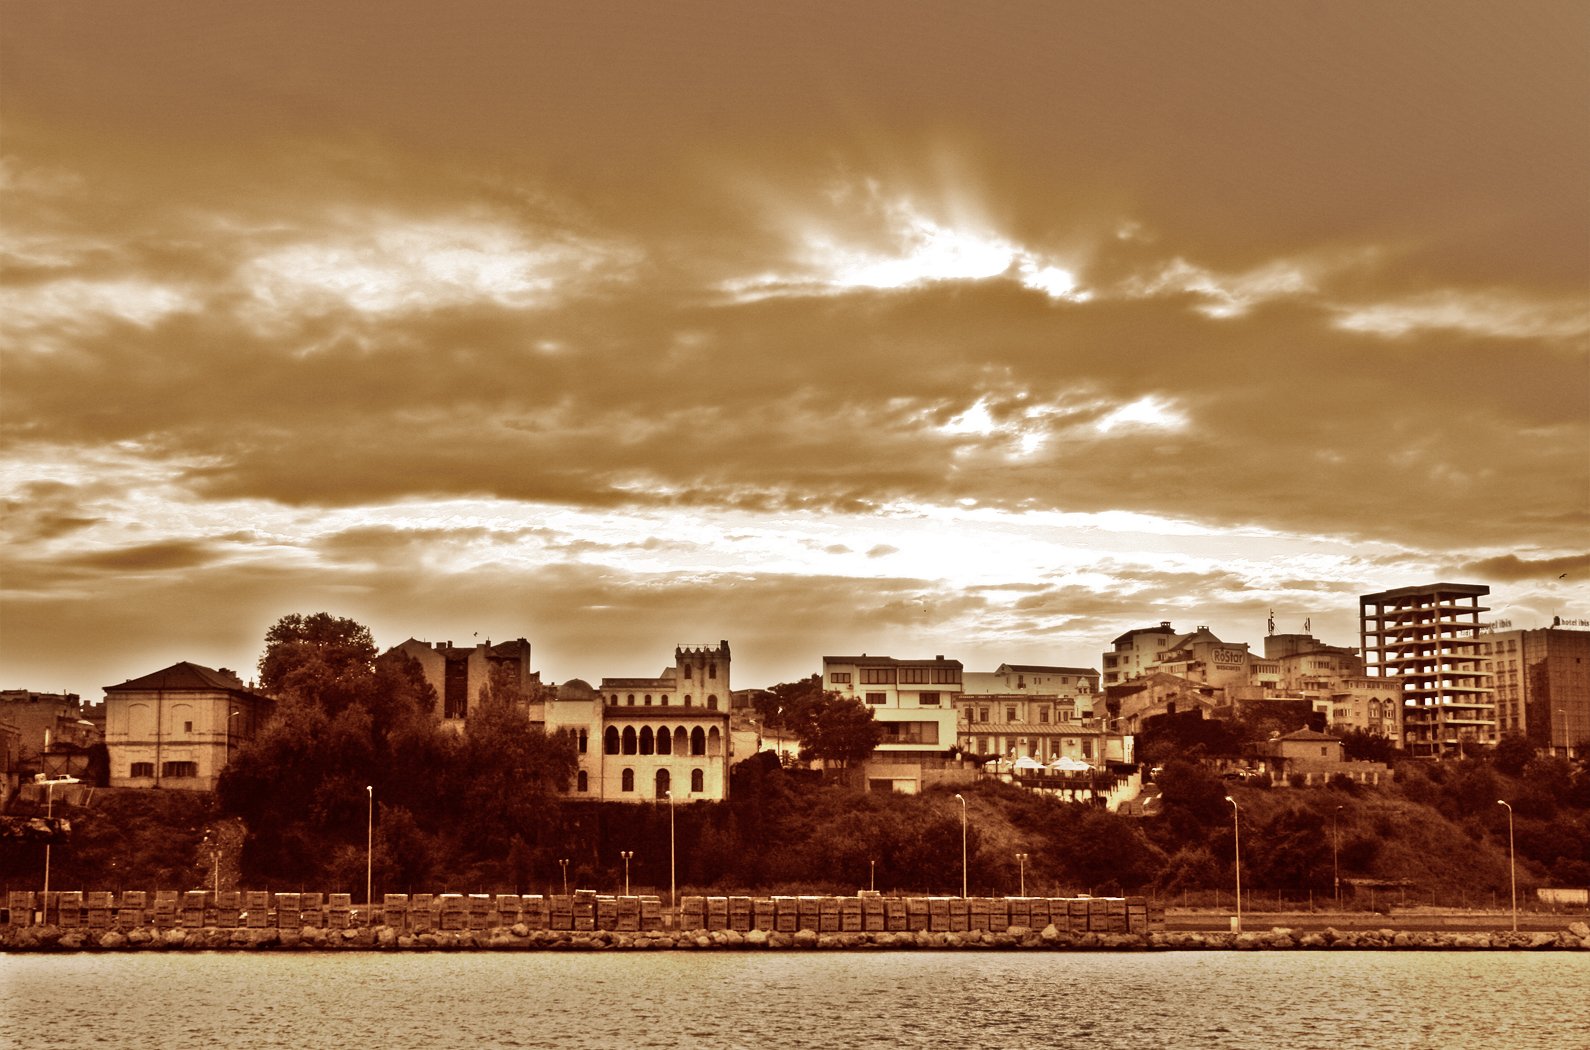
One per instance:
[(1429, 674)]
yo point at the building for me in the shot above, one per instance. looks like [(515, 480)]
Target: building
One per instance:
[(1313, 759), (44, 722), (914, 701), (178, 727), (649, 739), (1541, 680), (1034, 711), (1135, 653), (460, 673), (1428, 637), (1333, 679)]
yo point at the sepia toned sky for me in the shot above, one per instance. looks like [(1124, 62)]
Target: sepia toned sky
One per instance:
[(905, 328)]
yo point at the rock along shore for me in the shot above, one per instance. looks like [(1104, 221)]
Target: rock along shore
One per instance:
[(521, 938)]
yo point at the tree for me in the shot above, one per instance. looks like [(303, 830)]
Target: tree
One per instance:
[(1512, 754), (831, 728), (314, 653), (1361, 746)]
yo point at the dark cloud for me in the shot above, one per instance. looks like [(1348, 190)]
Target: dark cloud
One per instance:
[(1510, 568)]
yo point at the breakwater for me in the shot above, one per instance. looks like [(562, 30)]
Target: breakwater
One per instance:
[(256, 921)]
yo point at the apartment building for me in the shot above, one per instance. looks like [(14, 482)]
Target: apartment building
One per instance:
[(459, 673), (179, 727), (915, 703), (1428, 637), (1541, 681)]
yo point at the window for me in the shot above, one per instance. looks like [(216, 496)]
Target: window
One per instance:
[(646, 744), (627, 782), (712, 671), (712, 703), (610, 740), (582, 782), (665, 741), (688, 671), (142, 769), (180, 769), (187, 727), (946, 675), (1043, 715), (928, 699), (698, 741), (648, 699), (909, 732), (982, 714), (688, 700), (840, 678), (613, 699), (877, 675), (698, 781), (1021, 681), (1010, 714), (914, 675), (877, 698), (630, 740), (584, 740), (631, 699), (714, 742), (664, 783)]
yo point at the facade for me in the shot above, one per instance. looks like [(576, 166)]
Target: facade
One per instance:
[(1135, 653), (1428, 637), (1333, 679), (44, 722), (460, 673), (178, 727), (1314, 758), (1541, 680), (914, 701), (651, 739)]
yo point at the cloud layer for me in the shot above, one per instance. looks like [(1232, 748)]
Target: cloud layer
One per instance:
[(823, 328)]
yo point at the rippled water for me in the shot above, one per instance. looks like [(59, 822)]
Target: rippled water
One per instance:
[(1290, 1000)]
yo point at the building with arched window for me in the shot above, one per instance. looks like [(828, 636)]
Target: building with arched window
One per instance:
[(179, 727), (652, 737)]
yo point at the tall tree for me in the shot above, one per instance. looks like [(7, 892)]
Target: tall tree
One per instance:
[(315, 653)]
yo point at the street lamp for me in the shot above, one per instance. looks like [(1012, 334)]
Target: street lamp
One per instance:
[(673, 859), (628, 855), (564, 863), (963, 845), (872, 876), (369, 843), (234, 714), (1336, 870), (1021, 861), (1236, 847), (1512, 867), (49, 816)]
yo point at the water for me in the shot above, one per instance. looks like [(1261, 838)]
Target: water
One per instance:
[(1243, 1000)]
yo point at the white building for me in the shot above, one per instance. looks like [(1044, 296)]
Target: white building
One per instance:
[(914, 701), (178, 727), (646, 739)]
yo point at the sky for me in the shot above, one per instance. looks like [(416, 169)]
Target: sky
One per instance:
[(900, 328)]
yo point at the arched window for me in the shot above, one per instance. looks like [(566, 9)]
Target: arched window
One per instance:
[(648, 699), (687, 672), (714, 742), (628, 781), (681, 741), (698, 741), (584, 740), (581, 781), (631, 701), (629, 740), (712, 670), (610, 740), (645, 740), (665, 741), (664, 783), (698, 781), (687, 700), (712, 702), (613, 700)]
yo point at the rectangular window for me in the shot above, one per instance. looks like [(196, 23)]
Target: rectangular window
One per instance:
[(142, 769), (877, 675), (877, 698), (179, 769), (187, 727), (928, 699), (982, 714), (946, 675), (909, 732), (914, 675), (1010, 714), (1043, 714), (840, 678)]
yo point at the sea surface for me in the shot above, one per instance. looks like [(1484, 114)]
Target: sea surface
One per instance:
[(388, 1001)]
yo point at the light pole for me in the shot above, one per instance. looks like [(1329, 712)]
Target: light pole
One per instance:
[(563, 862), (963, 845), (1512, 867), (1021, 861), (49, 816), (1567, 744), (234, 714), (1236, 847), (872, 876), (1336, 870), (673, 859), (369, 843), (628, 855)]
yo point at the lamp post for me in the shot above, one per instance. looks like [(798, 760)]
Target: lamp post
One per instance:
[(1236, 847), (234, 714), (49, 816), (963, 844), (872, 876), (673, 860), (369, 843), (563, 862), (628, 855), (1567, 744), (1512, 867), (1336, 870), (1021, 862)]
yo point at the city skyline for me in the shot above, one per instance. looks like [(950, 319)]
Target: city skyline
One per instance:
[(904, 329)]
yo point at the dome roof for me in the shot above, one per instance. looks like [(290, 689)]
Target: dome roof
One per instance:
[(576, 689)]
